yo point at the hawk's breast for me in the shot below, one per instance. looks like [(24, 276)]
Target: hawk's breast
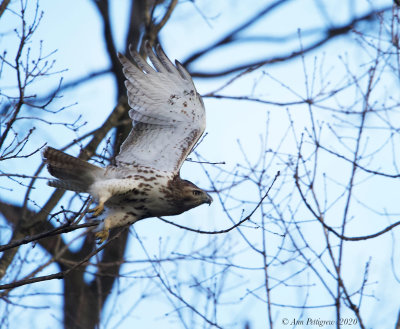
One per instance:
[(151, 197)]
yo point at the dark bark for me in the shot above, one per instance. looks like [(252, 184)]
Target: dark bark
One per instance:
[(83, 301)]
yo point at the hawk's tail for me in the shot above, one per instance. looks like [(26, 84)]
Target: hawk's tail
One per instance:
[(73, 174)]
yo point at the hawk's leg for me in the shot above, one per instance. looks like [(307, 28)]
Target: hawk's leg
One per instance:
[(98, 209), (105, 189), (115, 218), (102, 194), (102, 231), (102, 236)]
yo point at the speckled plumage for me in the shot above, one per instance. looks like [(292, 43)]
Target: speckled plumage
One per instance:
[(168, 119)]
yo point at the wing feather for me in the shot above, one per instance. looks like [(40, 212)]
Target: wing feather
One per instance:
[(184, 73), (165, 60), (140, 62), (160, 67), (167, 113)]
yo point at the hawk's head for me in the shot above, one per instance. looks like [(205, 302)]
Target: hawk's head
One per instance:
[(192, 196)]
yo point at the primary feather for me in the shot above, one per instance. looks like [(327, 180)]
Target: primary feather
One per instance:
[(167, 112)]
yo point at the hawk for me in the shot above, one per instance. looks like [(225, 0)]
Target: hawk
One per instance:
[(168, 118)]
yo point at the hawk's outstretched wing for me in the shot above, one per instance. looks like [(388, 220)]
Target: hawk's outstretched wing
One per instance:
[(167, 112)]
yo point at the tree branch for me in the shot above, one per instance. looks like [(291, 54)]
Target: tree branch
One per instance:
[(328, 35)]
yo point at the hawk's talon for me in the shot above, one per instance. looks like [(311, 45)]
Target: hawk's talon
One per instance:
[(101, 236), (97, 210)]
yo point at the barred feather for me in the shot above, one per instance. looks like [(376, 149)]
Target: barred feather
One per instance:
[(168, 114), (73, 174)]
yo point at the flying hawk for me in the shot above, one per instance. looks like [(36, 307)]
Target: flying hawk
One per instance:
[(168, 119)]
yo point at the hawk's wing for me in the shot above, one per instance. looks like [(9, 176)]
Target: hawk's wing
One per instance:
[(167, 112)]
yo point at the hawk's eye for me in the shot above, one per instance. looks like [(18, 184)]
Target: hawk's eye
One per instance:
[(196, 192)]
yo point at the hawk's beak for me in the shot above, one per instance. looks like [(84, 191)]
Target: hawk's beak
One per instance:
[(209, 199)]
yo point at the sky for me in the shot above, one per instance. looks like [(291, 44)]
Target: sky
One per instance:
[(76, 35)]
